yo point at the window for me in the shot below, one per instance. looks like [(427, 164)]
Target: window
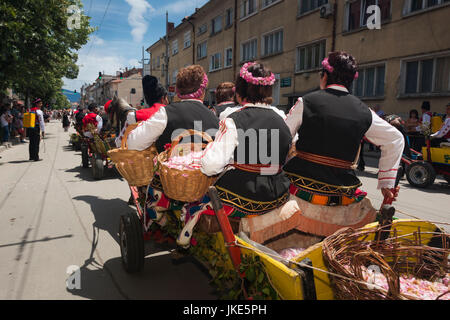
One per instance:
[(305, 6), (310, 57), (273, 43), (215, 62), (229, 18), (431, 75), (158, 61), (174, 47), (187, 39), (248, 50), (228, 57), (411, 6), (174, 76), (356, 12), (202, 29), (216, 25), (248, 7), (371, 82), (266, 3), (201, 50)]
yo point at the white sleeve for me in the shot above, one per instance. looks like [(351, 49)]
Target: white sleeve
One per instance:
[(219, 153), (131, 117), (41, 120), (99, 123), (294, 118), (147, 132), (391, 143), (444, 130), (426, 118), (228, 111)]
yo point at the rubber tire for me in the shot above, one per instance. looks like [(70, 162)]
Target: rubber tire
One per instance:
[(84, 156), (131, 239), (97, 167), (447, 178), (429, 178)]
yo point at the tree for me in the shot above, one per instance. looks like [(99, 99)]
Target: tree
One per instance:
[(38, 49)]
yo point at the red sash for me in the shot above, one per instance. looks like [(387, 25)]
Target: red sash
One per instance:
[(147, 113), (90, 118)]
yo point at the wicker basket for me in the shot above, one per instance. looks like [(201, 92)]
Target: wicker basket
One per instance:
[(394, 256), (183, 185), (137, 167)]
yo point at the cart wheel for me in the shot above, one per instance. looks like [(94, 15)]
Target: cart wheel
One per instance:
[(131, 242), (97, 167), (84, 156), (420, 174)]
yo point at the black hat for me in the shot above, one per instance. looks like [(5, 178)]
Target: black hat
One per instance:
[(426, 105), (153, 91), (92, 107)]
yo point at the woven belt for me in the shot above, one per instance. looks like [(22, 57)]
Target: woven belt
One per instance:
[(326, 161), (255, 168)]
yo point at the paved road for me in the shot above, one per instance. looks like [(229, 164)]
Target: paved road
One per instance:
[(54, 215)]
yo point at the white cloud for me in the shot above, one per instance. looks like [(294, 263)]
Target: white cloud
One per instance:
[(136, 18)]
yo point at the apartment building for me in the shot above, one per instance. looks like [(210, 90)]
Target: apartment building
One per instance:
[(404, 62), (126, 85)]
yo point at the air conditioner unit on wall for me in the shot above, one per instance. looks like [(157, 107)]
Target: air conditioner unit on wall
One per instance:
[(326, 11)]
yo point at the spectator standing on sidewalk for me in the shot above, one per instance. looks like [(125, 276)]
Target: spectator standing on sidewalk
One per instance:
[(65, 121), (35, 133), (5, 120)]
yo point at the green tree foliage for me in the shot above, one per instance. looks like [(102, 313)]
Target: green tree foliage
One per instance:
[(38, 49)]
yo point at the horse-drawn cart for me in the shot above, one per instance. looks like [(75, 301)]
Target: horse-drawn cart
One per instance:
[(94, 153), (265, 274)]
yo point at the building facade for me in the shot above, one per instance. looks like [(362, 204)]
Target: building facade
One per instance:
[(126, 85), (404, 62)]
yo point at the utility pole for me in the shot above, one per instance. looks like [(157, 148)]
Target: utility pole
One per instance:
[(167, 51)]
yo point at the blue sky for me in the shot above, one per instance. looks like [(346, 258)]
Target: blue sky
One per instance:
[(128, 26)]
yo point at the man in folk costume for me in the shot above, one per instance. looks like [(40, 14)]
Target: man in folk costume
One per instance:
[(224, 97), (155, 96), (443, 135), (92, 118), (167, 123), (250, 149), (331, 124), (35, 133)]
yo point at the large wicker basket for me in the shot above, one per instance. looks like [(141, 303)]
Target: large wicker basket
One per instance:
[(137, 167), (347, 251), (184, 185)]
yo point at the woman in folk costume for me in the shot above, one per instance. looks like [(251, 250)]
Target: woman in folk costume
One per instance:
[(330, 124), (224, 97), (155, 96), (92, 118), (249, 150), (166, 124)]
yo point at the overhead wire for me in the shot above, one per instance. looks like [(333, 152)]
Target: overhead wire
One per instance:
[(101, 23)]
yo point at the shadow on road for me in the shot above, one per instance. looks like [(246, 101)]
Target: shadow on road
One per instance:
[(162, 278), (107, 213), (85, 174)]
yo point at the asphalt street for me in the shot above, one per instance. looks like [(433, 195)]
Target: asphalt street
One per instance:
[(54, 215)]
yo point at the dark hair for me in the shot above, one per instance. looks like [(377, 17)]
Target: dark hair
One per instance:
[(92, 107), (189, 79), (414, 111), (153, 91), (225, 92), (255, 93), (426, 105), (345, 68)]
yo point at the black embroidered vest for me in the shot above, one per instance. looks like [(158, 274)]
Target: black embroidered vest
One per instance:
[(186, 115), (334, 123), (263, 139)]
